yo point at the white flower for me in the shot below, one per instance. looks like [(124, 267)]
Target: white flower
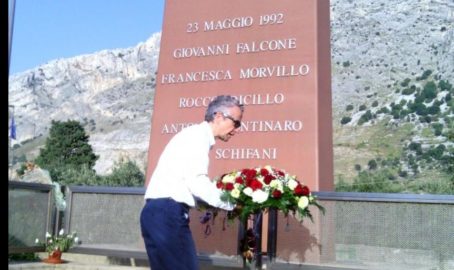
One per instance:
[(228, 179), (235, 193), (48, 235), (292, 184), (248, 191), (276, 184), (61, 232), (259, 196), (303, 202), (36, 241), (76, 240)]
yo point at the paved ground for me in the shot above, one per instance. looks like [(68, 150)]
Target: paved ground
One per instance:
[(95, 262)]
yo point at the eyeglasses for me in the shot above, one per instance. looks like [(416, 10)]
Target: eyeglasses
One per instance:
[(236, 123)]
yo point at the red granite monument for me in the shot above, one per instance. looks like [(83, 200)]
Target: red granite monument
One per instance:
[(274, 56)]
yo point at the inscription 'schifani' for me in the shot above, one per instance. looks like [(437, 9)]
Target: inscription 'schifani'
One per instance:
[(246, 153)]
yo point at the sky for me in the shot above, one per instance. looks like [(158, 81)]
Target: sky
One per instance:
[(45, 30)]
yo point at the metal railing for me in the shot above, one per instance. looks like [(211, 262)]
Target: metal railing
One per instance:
[(358, 231)]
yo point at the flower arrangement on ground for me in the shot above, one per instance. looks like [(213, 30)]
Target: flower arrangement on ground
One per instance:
[(257, 189), (61, 242)]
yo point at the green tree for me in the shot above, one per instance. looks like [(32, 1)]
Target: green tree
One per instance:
[(66, 147)]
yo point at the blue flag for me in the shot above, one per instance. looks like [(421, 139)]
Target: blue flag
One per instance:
[(13, 129)]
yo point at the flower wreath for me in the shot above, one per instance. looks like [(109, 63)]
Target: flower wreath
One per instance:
[(255, 190)]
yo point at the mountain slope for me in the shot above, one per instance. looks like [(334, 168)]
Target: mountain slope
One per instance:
[(381, 51)]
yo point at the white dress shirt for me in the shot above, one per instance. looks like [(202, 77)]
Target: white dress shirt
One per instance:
[(182, 169)]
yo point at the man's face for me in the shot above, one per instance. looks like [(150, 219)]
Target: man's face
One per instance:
[(229, 123)]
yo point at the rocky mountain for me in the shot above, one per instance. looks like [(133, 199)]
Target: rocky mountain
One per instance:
[(381, 51), (111, 92)]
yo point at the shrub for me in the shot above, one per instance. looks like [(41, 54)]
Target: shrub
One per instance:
[(425, 75), (372, 164), (378, 181), (383, 110), (438, 128), (125, 174), (365, 117), (408, 91), (405, 82), (403, 173), (420, 109), (76, 175), (444, 85), (345, 120), (416, 147), (23, 257), (429, 91)]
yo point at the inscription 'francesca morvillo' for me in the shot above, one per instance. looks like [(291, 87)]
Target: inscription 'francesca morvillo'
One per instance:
[(244, 73)]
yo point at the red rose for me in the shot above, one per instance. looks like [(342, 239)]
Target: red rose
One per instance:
[(248, 182), (250, 173), (298, 190), (239, 180), (281, 173), (244, 171), (276, 194), (268, 179), (255, 184), (264, 172), (229, 186), (301, 190), (219, 184), (306, 191)]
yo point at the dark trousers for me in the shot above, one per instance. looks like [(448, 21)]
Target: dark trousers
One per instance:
[(168, 239)]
